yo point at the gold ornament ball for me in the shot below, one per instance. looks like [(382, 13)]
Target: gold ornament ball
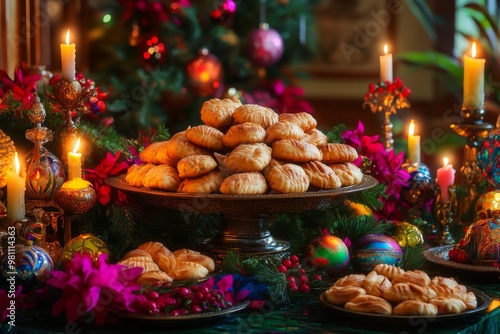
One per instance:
[(408, 235), (359, 209), (488, 205), (76, 200), (84, 244)]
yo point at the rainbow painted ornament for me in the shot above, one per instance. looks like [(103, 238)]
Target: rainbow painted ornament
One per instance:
[(373, 249), (85, 243), (482, 242), (327, 252)]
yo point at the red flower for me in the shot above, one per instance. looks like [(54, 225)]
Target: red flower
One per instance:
[(22, 87)]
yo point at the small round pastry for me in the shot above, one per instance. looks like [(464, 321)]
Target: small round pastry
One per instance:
[(316, 137), (413, 276), (188, 271), (205, 184), (245, 133), (255, 113), (249, 158), (206, 136), (334, 153), (349, 173), (375, 284), (178, 149), (304, 120), (154, 277), (405, 291), (470, 300), (448, 305), (320, 175), (369, 304), (188, 255), (350, 280), (162, 177), (156, 153), (283, 130), (391, 272), (294, 150), (288, 178), (244, 184), (219, 113), (196, 165), (342, 294), (135, 174), (415, 307)]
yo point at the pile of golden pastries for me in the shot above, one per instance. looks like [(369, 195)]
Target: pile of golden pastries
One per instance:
[(160, 265), (390, 290), (246, 149)]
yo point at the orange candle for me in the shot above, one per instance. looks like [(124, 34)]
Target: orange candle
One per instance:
[(473, 80)]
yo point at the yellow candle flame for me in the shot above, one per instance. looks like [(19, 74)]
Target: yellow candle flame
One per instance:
[(67, 37), (17, 164), (386, 49), (445, 161), (473, 52), (411, 130), (77, 145)]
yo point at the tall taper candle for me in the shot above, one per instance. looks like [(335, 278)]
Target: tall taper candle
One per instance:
[(68, 56), (413, 144), (445, 178), (15, 192), (473, 80), (75, 163), (386, 65)]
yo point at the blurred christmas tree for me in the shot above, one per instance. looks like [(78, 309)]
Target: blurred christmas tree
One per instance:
[(160, 60)]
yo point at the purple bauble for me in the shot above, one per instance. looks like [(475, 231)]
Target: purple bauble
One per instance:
[(265, 46), (373, 249)]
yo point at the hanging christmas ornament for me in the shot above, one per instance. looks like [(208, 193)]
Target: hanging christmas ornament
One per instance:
[(223, 12), (373, 249), (153, 51), (7, 151), (407, 234), (85, 243), (204, 74), (265, 46), (327, 252)]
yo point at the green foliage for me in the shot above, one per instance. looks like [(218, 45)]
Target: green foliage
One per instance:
[(412, 258), (370, 197), (355, 227), (335, 135)]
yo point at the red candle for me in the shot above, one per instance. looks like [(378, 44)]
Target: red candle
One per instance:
[(445, 178)]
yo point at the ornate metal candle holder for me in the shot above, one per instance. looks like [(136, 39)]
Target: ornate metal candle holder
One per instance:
[(470, 182), (444, 213), (69, 96), (387, 98)]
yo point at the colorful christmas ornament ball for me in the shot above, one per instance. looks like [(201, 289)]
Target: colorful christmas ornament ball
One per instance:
[(327, 252), (482, 242), (85, 243), (373, 249), (204, 74), (32, 266), (407, 234), (265, 46)]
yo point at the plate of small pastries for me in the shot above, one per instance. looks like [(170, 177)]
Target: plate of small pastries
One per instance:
[(389, 292), (439, 255), (245, 152)]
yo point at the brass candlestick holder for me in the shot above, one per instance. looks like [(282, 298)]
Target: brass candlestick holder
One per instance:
[(69, 97), (444, 211), (387, 98), (470, 182)]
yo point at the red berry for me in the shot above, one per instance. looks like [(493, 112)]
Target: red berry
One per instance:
[(406, 92), (287, 263), (291, 279), (174, 313), (293, 287), (196, 309), (317, 277), (294, 259), (302, 271), (152, 307), (387, 83), (303, 280), (381, 90), (304, 288), (368, 96), (371, 88), (282, 269), (295, 265), (152, 295), (182, 311), (182, 291)]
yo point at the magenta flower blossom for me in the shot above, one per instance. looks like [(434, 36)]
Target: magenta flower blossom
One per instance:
[(94, 288)]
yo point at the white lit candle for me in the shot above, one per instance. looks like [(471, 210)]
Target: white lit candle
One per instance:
[(413, 144), (15, 192), (445, 178), (473, 80), (386, 65), (75, 163), (68, 56)]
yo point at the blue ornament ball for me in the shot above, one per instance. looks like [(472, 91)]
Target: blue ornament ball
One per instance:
[(373, 249), (30, 265), (327, 252)]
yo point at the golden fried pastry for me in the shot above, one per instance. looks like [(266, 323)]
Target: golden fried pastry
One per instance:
[(268, 168), (156, 154), (188, 255), (188, 270), (179, 136), (162, 177), (206, 136), (334, 153), (413, 276), (294, 150), (205, 184), (415, 307), (448, 305), (146, 263), (154, 277), (460, 288), (375, 284), (470, 300), (445, 292), (316, 137), (219, 113), (249, 158), (448, 282), (245, 133), (320, 175), (167, 262), (369, 304), (342, 294), (135, 174), (255, 113), (391, 272), (350, 280), (304, 120), (136, 253), (288, 178), (283, 130), (349, 173), (244, 184), (405, 291), (155, 249), (196, 165), (178, 149)]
